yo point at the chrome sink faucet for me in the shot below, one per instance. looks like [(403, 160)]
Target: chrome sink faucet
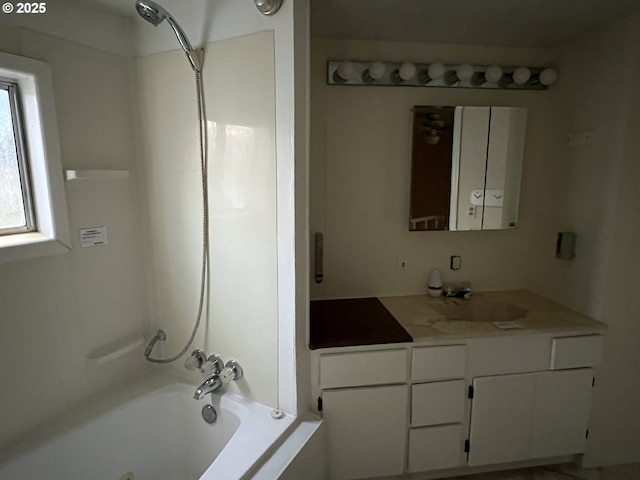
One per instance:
[(219, 372)]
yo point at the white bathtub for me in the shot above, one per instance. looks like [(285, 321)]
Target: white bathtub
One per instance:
[(151, 430)]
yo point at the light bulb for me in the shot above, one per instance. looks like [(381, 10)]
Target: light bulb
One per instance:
[(376, 70), (407, 71), (436, 71), (521, 75), (548, 76), (493, 74), (464, 72), (345, 70)]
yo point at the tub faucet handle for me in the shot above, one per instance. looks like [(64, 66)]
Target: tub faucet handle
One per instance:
[(213, 366), (231, 371), (209, 366), (195, 360)]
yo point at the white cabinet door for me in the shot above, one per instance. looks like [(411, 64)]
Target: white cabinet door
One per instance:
[(501, 419), (534, 415), (366, 431), (561, 412)]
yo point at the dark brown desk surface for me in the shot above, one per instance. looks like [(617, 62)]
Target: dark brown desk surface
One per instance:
[(352, 322)]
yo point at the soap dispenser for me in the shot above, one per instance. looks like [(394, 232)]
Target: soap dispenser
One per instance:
[(434, 283)]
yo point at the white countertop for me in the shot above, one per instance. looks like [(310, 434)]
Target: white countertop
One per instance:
[(426, 318)]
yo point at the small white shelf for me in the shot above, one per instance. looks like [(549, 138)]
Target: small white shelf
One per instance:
[(73, 175), (116, 349)]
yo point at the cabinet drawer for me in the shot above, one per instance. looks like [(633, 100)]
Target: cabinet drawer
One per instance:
[(576, 352), (438, 363), (433, 448), (363, 368), (437, 403)]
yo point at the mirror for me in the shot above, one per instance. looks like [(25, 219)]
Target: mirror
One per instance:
[(466, 164)]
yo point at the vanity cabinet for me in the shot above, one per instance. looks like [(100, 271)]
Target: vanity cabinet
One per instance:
[(446, 408)]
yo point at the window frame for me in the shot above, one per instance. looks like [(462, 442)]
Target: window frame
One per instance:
[(42, 152), (13, 91)]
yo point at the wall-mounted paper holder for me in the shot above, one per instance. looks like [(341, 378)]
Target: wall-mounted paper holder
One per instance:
[(319, 257), (566, 246)]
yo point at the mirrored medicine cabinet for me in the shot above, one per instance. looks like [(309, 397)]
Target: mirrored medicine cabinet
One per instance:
[(466, 164)]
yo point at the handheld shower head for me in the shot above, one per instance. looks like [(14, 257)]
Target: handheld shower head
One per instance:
[(151, 12), (155, 14)]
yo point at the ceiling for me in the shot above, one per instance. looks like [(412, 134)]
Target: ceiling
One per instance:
[(117, 7), (512, 23)]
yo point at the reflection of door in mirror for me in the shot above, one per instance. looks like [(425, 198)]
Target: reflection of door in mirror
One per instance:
[(431, 167), (504, 167)]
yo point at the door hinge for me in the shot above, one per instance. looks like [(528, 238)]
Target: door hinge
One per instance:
[(319, 404), (470, 392), (586, 435), (593, 382), (466, 446)]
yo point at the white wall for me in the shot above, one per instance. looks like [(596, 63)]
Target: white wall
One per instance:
[(598, 201), (242, 320), (206, 21), (80, 22), (360, 167), (55, 311)]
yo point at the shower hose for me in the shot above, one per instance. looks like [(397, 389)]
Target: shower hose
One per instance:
[(204, 276)]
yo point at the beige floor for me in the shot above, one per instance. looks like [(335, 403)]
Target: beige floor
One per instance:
[(563, 472)]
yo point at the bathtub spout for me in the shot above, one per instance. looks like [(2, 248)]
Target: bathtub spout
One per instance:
[(211, 384)]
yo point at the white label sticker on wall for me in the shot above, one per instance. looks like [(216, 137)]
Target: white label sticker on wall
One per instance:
[(93, 237)]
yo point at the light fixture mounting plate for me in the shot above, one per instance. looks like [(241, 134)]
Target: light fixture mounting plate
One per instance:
[(268, 7)]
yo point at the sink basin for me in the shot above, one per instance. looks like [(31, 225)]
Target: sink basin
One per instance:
[(480, 310)]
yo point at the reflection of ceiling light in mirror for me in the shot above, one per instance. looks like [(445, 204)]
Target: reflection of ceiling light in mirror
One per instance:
[(432, 137)]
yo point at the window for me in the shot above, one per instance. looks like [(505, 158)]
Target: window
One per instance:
[(16, 212), (33, 210)]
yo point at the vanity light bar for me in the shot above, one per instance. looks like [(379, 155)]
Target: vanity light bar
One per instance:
[(407, 74)]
